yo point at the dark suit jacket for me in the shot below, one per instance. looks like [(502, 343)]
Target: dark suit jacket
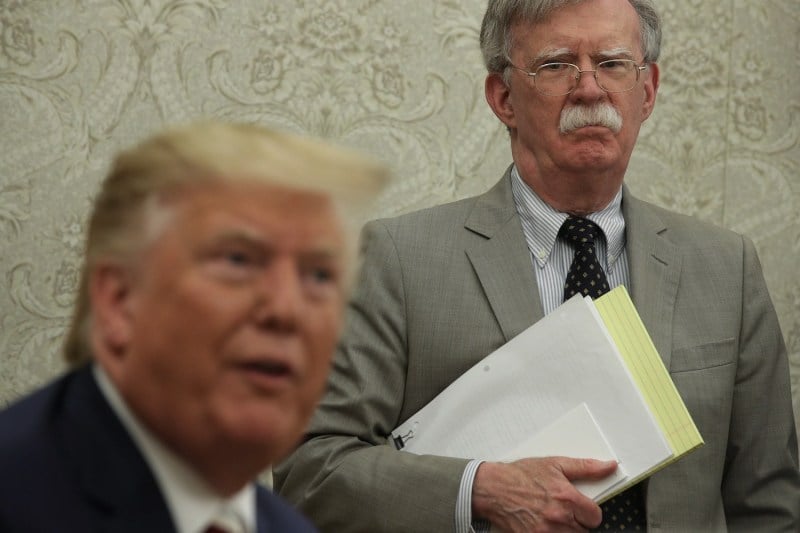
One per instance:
[(68, 464), (443, 287)]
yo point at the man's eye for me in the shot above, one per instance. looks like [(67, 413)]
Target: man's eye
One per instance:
[(238, 257), (554, 67), (614, 64), (321, 275)]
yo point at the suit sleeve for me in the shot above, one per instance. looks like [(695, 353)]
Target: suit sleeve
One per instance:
[(345, 475), (761, 485)]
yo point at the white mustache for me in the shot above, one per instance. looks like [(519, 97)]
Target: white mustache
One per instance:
[(578, 116)]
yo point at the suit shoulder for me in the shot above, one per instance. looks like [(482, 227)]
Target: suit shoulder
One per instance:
[(23, 422), (450, 214), (30, 460), (682, 228)]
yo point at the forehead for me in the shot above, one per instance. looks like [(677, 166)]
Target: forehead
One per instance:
[(260, 211), (587, 27)]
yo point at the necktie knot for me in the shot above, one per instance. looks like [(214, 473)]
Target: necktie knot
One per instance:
[(225, 521), (579, 230)]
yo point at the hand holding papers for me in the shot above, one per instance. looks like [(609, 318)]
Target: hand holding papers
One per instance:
[(574, 434), (538, 394)]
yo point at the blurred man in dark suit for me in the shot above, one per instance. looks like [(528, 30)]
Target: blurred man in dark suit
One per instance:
[(210, 303)]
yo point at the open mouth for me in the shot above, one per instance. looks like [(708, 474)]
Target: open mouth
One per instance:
[(270, 368), (267, 375)]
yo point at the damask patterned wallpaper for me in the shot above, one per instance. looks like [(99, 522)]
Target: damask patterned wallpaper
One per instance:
[(399, 79)]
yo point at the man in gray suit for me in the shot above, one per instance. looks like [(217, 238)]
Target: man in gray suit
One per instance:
[(442, 288)]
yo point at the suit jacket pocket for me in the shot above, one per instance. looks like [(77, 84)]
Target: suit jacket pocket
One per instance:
[(703, 356)]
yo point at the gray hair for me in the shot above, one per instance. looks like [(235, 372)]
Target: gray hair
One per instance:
[(500, 16)]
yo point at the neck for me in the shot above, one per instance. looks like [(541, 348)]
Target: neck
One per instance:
[(577, 192), (224, 476)]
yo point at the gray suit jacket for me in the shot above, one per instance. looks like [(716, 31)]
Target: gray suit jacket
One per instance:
[(442, 288)]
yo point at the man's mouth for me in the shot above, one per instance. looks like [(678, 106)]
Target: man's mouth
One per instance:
[(270, 368)]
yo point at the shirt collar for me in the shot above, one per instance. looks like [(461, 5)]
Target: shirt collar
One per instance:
[(541, 223), (192, 503)]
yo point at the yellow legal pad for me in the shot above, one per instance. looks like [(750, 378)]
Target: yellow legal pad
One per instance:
[(651, 376)]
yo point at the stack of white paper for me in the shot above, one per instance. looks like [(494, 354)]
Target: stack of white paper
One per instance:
[(561, 387)]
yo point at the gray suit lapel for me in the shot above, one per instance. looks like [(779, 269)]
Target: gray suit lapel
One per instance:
[(502, 262), (655, 267)]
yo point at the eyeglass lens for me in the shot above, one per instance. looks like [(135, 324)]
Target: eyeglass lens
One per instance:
[(613, 76)]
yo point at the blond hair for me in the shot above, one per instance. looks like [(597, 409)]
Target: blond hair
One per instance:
[(215, 152)]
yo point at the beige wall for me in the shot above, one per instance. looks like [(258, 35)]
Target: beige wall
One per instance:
[(399, 79)]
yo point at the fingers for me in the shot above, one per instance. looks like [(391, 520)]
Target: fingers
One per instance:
[(537, 494), (587, 512)]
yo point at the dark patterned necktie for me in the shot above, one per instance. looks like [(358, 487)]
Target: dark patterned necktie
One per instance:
[(624, 512), (585, 276)]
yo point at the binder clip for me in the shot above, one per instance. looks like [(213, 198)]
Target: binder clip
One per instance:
[(401, 440)]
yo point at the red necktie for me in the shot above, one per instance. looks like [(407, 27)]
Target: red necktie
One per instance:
[(213, 528)]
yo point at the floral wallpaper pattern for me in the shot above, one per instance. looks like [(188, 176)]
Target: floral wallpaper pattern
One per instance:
[(402, 80)]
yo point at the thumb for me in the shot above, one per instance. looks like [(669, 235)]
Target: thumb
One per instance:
[(586, 468)]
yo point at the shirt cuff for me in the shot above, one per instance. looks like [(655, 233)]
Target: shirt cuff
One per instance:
[(464, 523)]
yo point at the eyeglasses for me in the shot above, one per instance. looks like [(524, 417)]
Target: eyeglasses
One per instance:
[(558, 79)]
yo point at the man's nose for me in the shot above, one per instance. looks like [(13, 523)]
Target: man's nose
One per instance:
[(587, 86), (279, 296)]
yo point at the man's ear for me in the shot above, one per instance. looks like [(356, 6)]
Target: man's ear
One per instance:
[(110, 289), (498, 96), (650, 89)]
